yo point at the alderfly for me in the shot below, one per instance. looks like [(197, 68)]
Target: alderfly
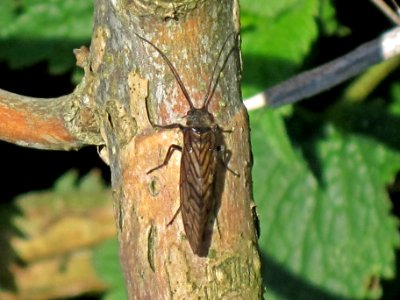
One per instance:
[(198, 160)]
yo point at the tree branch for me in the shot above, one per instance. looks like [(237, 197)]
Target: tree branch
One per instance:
[(387, 10), (62, 123), (324, 77)]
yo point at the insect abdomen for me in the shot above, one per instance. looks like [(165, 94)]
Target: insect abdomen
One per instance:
[(198, 164)]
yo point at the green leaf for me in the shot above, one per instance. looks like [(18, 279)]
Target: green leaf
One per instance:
[(328, 22), (34, 31), (277, 36), (6, 12), (395, 95), (66, 183), (326, 228), (68, 193), (106, 262)]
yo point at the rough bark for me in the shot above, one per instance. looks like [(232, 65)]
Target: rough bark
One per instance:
[(157, 260), (55, 124), (63, 123)]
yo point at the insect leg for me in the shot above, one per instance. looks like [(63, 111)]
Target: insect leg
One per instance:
[(169, 126), (174, 217), (226, 156), (171, 150)]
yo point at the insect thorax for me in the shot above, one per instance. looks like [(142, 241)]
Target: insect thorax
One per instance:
[(199, 118)]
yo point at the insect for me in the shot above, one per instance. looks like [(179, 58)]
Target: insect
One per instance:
[(199, 158)]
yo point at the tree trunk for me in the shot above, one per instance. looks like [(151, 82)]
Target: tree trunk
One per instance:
[(157, 260), (127, 87)]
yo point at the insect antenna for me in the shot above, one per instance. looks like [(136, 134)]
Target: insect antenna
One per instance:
[(211, 87), (173, 70)]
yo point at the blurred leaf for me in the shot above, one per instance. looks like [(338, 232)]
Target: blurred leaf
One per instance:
[(277, 36), (35, 30), (6, 12), (66, 183), (328, 21), (395, 95), (106, 261), (365, 84), (54, 234)]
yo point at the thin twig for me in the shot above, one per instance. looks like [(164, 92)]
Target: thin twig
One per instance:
[(397, 7), (324, 77), (387, 10)]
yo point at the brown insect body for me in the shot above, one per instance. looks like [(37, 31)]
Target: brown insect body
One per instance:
[(198, 162), (197, 178)]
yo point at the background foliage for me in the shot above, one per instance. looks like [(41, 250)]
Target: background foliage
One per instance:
[(324, 170)]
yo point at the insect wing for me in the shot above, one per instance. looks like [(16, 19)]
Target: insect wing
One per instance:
[(198, 166)]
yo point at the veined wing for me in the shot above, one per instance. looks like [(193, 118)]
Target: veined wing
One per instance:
[(198, 166)]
